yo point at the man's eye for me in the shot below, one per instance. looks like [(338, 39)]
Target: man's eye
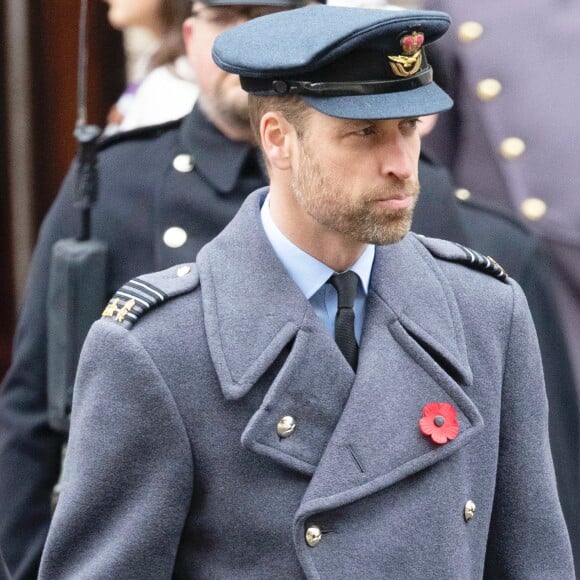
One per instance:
[(366, 131), (410, 124)]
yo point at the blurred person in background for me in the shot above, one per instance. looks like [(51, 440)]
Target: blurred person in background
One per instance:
[(512, 139), (162, 84)]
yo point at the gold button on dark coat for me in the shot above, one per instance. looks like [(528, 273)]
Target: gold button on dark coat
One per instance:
[(533, 208), (488, 89), (286, 426), (512, 148), (313, 536), (184, 163), (469, 31)]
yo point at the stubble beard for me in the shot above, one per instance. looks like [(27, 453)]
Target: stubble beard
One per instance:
[(358, 217), (230, 102)]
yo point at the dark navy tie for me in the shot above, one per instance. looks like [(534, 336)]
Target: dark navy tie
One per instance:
[(346, 284)]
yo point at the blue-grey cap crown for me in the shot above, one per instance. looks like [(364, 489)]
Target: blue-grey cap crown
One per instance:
[(325, 44)]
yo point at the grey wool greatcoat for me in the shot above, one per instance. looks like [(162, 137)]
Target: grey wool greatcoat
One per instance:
[(175, 469)]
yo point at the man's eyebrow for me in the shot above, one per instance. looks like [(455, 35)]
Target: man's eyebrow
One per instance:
[(355, 123)]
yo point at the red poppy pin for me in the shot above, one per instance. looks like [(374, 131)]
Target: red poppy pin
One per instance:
[(439, 421)]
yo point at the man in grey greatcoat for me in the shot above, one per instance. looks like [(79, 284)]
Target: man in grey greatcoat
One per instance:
[(323, 395)]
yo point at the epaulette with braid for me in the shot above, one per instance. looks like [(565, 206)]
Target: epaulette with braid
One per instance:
[(454, 252), (140, 295)]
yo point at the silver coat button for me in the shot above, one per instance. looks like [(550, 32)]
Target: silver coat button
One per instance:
[(184, 163), (313, 536), (183, 271), (174, 237), (469, 510), (286, 426)]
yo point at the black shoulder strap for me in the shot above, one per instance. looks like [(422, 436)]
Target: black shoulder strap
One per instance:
[(454, 252), (144, 293)]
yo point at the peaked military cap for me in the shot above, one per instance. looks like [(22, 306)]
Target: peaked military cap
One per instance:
[(354, 63)]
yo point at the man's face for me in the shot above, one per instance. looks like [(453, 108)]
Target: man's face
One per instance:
[(358, 178), (220, 93)]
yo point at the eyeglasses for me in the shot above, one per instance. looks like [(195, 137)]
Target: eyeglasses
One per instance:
[(228, 16)]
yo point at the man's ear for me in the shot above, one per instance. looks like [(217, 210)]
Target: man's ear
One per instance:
[(278, 138)]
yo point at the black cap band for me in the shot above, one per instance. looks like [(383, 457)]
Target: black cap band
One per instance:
[(335, 89)]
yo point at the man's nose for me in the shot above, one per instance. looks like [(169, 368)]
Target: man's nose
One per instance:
[(398, 160)]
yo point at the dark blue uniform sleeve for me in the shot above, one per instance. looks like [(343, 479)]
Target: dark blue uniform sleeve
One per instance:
[(30, 452)]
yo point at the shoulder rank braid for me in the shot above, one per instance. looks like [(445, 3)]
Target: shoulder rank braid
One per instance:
[(140, 295), (480, 262), (132, 300), (455, 252)]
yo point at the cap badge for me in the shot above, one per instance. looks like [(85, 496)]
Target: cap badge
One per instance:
[(408, 63)]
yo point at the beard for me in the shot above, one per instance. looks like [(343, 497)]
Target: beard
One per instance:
[(230, 103), (358, 216)]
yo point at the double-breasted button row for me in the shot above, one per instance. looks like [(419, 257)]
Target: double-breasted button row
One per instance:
[(489, 88), (313, 535), (176, 237), (510, 148)]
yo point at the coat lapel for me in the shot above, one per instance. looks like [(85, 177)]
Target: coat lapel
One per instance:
[(412, 352), (356, 439), (253, 311)]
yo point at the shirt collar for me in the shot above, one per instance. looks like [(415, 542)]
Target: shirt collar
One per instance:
[(217, 158), (309, 273)]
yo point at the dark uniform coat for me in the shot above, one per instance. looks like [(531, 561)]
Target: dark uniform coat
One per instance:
[(183, 175), (175, 467), (513, 136)]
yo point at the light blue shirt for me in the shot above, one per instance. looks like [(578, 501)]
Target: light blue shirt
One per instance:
[(311, 275)]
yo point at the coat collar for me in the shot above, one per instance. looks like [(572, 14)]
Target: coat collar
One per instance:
[(253, 308), (202, 139), (356, 433)]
